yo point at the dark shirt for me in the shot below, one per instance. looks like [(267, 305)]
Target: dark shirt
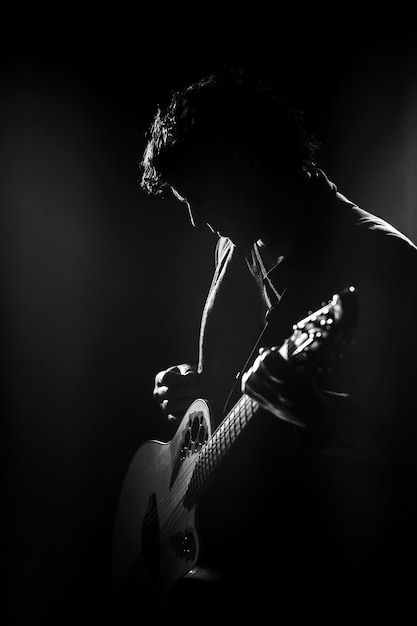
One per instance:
[(341, 502), (341, 245)]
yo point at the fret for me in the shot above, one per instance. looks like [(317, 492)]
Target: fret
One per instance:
[(234, 426), (217, 447)]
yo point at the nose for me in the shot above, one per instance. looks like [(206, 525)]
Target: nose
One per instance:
[(196, 218)]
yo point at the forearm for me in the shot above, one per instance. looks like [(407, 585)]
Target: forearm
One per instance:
[(361, 428)]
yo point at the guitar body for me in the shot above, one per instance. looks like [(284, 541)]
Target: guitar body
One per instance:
[(155, 540)]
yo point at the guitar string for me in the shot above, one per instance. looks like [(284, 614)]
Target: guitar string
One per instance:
[(175, 503), (239, 409), (178, 506)]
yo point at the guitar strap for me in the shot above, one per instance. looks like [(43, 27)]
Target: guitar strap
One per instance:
[(233, 391), (273, 299)]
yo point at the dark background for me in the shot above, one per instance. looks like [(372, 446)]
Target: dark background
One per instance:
[(102, 286)]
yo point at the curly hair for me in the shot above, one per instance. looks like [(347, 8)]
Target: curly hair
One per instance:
[(232, 113)]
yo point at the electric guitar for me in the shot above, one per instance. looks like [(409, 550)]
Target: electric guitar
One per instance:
[(155, 531)]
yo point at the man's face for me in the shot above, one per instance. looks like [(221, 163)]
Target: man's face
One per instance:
[(224, 203)]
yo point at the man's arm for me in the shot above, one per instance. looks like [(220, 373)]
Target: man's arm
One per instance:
[(333, 422)]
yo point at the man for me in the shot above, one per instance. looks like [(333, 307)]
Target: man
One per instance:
[(335, 448)]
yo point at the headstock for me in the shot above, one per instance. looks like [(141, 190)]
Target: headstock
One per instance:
[(318, 339)]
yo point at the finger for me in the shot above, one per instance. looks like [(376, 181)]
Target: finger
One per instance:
[(272, 349), (169, 377), (275, 365), (294, 382), (286, 389), (186, 369), (253, 384), (178, 370), (160, 392), (299, 397), (160, 375), (260, 369), (273, 402), (163, 392)]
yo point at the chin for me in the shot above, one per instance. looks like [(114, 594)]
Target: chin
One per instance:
[(241, 240), (237, 238)]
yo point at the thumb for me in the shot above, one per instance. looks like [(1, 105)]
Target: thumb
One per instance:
[(186, 368)]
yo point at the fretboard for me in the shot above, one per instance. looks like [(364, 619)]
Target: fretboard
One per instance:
[(218, 446)]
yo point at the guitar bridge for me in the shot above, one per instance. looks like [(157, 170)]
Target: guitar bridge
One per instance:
[(184, 544)]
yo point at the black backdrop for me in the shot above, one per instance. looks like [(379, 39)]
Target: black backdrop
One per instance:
[(103, 286)]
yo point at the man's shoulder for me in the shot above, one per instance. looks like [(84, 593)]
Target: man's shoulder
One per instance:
[(342, 214), (381, 227), (374, 231)]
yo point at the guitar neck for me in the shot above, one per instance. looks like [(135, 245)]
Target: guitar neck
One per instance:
[(218, 445), (332, 322)]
